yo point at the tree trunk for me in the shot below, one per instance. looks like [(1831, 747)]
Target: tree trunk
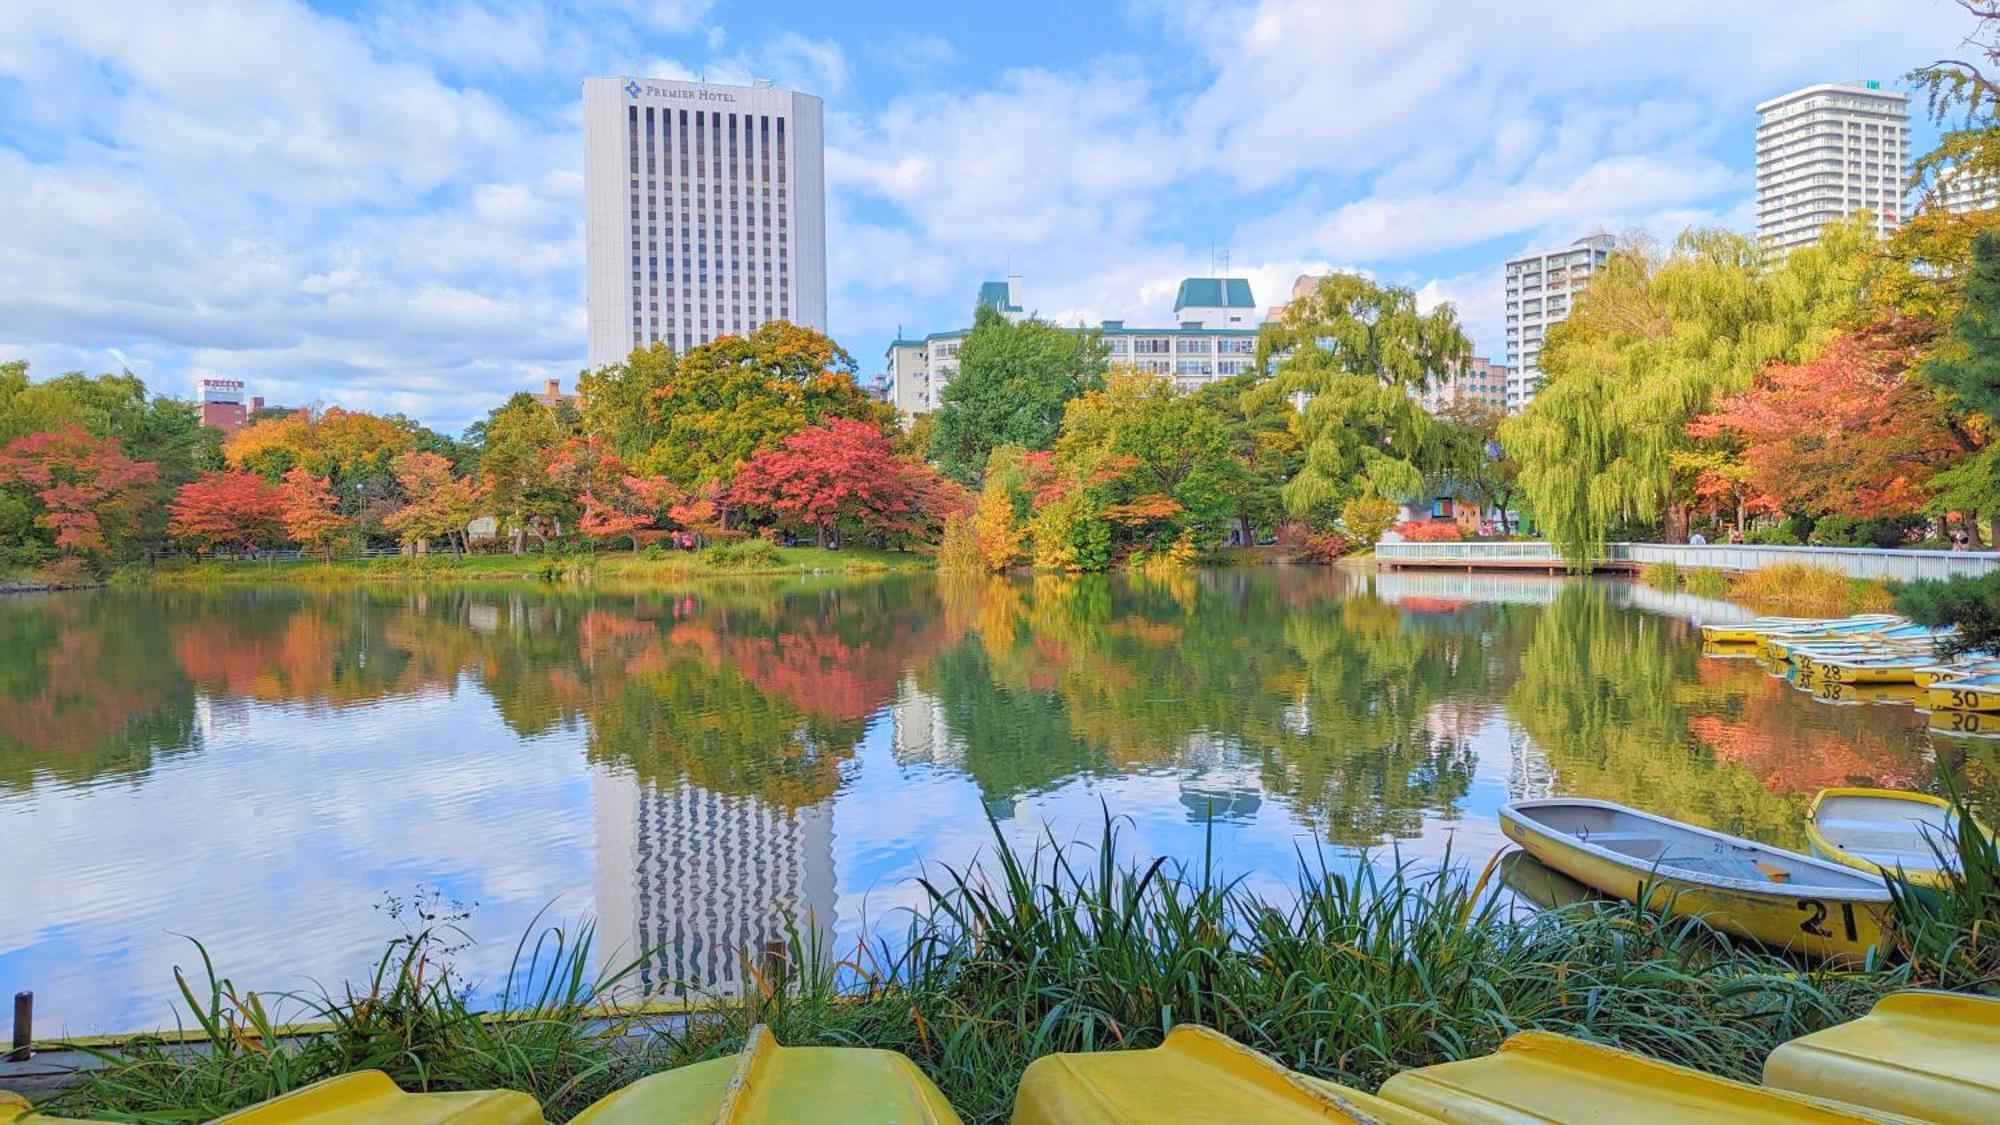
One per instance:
[(1243, 527), (1992, 529), (520, 541)]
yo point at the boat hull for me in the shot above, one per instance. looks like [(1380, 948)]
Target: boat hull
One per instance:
[(1950, 695), (1818, 922)]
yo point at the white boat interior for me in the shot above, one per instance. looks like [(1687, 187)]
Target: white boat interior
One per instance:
[(1646, 841), (1885, 831)]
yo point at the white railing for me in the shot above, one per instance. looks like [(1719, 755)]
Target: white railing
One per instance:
[(1856, 562)]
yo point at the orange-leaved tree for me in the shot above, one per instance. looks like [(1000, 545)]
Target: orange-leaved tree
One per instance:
[(311, 510), (1850, 432), (615, 502), (440, 504), (89, 491), (226, 509)]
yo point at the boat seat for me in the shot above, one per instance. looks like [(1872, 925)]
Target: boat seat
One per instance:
[(1196, 1076), (1639, 845), (1538, 1076), (370, 1095), (1924, 1054)]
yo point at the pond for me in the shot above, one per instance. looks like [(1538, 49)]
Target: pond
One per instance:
[(265, 769)]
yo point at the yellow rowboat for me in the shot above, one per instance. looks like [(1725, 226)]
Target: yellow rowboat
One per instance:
[(1833, 691), (1785, 900), (15, 1109), (1969, 724), (370, 1095), (776, 1085), (1932, 673), (1966, 693), (1753, 631), (1930, 1055), (1541, 1076), (1847, 629), (1882, 830), (1871, 670), (1196, 1075), (1541, 884)]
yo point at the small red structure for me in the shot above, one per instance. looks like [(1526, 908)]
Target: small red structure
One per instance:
[(222, 405)]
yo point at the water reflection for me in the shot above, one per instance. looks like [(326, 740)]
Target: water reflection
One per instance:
[(692, 766)]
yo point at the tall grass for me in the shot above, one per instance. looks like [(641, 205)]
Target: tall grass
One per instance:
[(1359, 972), (1803, 588), (1951, 934)]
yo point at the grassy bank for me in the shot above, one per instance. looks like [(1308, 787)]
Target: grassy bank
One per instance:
[(635, 567), (1799, 588), (1068, 948)]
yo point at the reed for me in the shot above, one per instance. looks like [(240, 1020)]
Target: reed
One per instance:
[(1951, 934), (1803, 588), (1364, 969)]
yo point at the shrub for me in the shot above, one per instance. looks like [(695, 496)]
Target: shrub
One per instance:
[(1776, 535), (748, 554), (1323, 548), (958, 550), (1846, 531), (1972, 604), (1661, 576), (1365, 518), (1430, 531), (1707, 582)]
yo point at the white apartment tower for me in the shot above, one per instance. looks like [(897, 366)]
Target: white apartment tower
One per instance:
[(704, 212), (1542, 286), (1825, 152)]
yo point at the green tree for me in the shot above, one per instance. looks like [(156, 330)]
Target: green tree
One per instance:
[(1264, 437), (1176, 444), (697, 419), (519, 441), (1472, 463), (1014, 380), (1647, 349), (1357, 351)]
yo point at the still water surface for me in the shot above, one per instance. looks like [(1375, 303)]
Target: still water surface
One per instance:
[(258, 769)]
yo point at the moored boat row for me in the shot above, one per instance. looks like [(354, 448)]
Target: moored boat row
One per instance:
[(1870, 658)]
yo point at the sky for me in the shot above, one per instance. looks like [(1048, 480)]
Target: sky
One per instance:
[(379, 205)]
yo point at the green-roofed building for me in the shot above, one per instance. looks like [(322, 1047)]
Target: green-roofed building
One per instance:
[(1214, 336)]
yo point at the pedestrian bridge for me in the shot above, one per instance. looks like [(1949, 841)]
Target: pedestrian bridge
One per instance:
[(1856, 562)]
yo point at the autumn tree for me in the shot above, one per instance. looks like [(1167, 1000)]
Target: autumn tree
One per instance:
[(1356, 351), (1014, 380), (311, 511), (439, 503), (613, 502), (1849, 432), (843, 472), (1180, 473), (227, 509), (85, 490), (696, 418), (1649, 347)]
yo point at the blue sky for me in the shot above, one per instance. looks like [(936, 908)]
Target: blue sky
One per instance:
[(377, 205)]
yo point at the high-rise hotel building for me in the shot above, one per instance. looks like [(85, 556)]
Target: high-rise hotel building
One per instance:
[(704, 213), (1825, 152)]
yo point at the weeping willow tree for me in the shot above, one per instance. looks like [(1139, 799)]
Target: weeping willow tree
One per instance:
[(1648, 348), (1355, 351)]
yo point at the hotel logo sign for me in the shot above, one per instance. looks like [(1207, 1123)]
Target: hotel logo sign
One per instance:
[(635, 89)]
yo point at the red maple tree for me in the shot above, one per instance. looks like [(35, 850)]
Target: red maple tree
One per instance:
[(615, 502), (311, 511), (1850, 432), (90, 492), (226, 509), (843, 471)]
